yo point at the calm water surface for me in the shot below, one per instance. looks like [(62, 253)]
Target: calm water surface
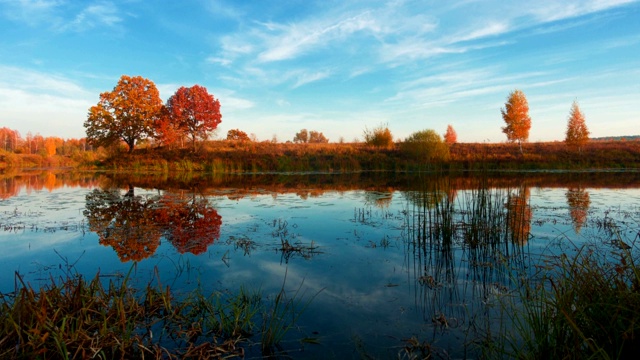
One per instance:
[(370, 248)]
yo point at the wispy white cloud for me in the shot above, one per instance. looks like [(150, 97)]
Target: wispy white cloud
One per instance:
[(231, 102), (548, 11), (487, 30), (58, 14), (32, 99), (290, 41), (31, 12), (218, 60), (306, 78), (100, 14)]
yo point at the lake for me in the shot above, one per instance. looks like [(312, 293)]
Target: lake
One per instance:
[(380, 258)]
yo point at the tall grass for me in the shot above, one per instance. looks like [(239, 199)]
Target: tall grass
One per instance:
[(585, 306), (76, 318), (282, 316)]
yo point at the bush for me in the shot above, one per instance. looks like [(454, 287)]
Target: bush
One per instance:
[(379, 137), (426, 145)]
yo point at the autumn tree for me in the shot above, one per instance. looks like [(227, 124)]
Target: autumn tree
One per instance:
[(194, 112), (9, 139), (167, 131), (577, 132), (450, 136), (237, 135), (516, 117), (317, 137), (50, 145), (301, 137), (127, 113)]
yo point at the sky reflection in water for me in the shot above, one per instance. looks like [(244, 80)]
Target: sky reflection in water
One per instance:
[(377, 282)]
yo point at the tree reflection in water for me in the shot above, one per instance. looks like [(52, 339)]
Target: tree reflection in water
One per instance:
[(191, 225), (134, 225), (124, 222), (519, 215), (579, 202)]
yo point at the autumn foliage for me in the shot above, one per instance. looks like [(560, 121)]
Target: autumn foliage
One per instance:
[(192, 112), (516, 117), (134, 225), (577, 132), (237, 135), (450, 136), (127, 113)]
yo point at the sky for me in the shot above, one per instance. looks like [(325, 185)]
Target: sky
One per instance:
[(338, 67)]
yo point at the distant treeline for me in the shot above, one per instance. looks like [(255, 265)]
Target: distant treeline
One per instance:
[(617, 138)]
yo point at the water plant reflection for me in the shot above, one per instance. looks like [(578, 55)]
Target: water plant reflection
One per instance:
[(134, 225), (464, 250)]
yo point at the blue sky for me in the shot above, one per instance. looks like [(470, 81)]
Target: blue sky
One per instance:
[(331, 66)]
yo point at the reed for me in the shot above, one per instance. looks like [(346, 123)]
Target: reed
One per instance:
[(76, 318), (585, 306)]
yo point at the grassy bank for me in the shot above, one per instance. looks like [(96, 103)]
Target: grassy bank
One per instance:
[(236, 156), (226, 156)]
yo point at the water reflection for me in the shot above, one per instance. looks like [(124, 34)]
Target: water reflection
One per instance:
[(578, 201), (399, 257), (519, 214), (125, 222), (465, 249), (134, 225)]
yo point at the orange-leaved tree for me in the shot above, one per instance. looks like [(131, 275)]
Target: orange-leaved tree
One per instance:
[(450, 136), (195, 112), (516, 117), (577, 132), (127, 113), (317, 137), (301, 137), (237, 135)]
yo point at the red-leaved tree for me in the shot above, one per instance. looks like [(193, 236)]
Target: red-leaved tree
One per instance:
[(450, 136), (194, 112)]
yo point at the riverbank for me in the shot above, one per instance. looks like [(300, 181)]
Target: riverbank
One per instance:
[(235, 156)]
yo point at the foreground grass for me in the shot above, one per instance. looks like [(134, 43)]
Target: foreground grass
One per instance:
[(76, 318), (583, 307)]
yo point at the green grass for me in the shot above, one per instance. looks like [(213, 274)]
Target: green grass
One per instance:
[(76, 318), (585, 306)]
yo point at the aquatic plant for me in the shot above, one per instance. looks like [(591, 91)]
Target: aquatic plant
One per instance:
[(76, 318), (580, 306)]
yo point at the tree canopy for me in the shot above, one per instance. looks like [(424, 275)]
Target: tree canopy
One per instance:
[(577, 132), (127, 113), (516, 117), (450, 136), (301, 137), (194, 112), (237, 135)]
